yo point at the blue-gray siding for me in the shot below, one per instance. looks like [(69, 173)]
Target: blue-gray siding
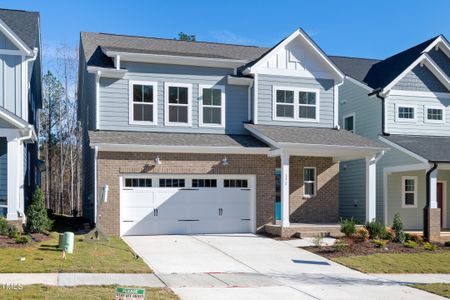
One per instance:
[(265, 99), (420, 79), (3, 170), (441, 60), (11, 83), (114, 97)]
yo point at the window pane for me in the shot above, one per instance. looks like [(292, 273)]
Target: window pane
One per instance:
[(406, 112), (309, 189), (137, 93), (285, 96), (307, 98), (148, 93), (217, 97), (286, 111), (148, 182), (307, 112), (178, 114), (148, 113), (348, 123), (409, 198), (309, 174), (173, 94), (142, 182), (183, 95), (207, 97), (409, 185), (143, 112), (128, 182), (212, 115), (435, 114)]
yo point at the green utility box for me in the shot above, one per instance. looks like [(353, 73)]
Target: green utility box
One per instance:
[(61, 241), (68, 242)]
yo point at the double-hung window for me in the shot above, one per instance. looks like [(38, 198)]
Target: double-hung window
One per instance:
[(143, 104), (212, 106), (409, 191), (309, 182), (434, 115), (295, 104), (178, 102), (405, 113), (349, 123)]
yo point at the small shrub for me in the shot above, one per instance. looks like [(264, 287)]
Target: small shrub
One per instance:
[(414, 237), (348, 226), (362, 234), (380, 243), (37, 218), (376, 229), (447, 244), (13, 232), (430, 247), (397, 226), (340, 246), (23, 239), (3, 226), (390, 234), (317, 240), (410, 244)]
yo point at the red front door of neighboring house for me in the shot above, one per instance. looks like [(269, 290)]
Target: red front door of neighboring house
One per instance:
[(440, 198)]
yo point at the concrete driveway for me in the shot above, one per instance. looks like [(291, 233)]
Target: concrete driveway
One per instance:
[(247, 266)]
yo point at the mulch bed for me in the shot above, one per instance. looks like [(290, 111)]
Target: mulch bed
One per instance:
[(367, 248), (6, 242)]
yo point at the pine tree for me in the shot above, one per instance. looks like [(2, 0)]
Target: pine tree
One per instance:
[(37, 218)]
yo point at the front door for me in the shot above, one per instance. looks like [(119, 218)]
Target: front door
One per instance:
[(440, 199)]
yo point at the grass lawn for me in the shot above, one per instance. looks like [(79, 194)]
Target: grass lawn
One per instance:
[(441, 289), (79, 293), (399, 263)]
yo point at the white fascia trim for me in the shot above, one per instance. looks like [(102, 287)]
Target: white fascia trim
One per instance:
[(320, 146), (406, 168), (222, 106), (439, 42), (15, 121), (15, 39), (419, 94), (175, 59), (131, 106), (296, 104), (166, 104), (404, 150), (233, 80), (422, 59), (107, 72), (179, 149), (359, 83), (261, 136), (298, 33)]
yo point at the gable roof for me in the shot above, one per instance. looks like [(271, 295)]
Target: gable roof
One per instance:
[(92, 44), (25, 25)]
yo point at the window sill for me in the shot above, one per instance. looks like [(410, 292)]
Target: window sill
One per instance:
[(309, 197), (296, 120), (142, 123)]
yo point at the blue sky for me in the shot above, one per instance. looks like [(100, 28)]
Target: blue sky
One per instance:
[(374, 29)]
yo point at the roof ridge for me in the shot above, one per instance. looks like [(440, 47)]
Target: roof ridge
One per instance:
[(412, 48), (355, 57), (20, 10), (169, 39)]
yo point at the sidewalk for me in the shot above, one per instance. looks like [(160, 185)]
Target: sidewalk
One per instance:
[(414, 278), (72, 279)]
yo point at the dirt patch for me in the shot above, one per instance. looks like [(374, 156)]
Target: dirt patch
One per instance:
[(6, 242), (367, 248)]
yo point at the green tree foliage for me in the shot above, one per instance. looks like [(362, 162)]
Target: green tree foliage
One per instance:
[(37, 218), (186, 37)]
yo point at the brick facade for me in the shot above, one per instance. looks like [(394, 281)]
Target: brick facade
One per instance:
[(322, 208)]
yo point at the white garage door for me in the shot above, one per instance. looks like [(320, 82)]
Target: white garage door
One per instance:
[(188, 204)]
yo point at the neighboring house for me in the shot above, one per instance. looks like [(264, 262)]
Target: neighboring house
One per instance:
[(402, 101), (20, 99), (186, 137)]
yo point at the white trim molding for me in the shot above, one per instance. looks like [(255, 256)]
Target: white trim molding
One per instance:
[(444, 203), (404, 192), (15, 39), (419, 94), (406, 151), (222, 106), (154, 86), (167, 85), (307, 196), (405, 120), (296, 104)]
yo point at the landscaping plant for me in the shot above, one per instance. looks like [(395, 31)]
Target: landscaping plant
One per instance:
[(362, 234), (414, 237), (13, 232), (340, 246), (317, 240), (447, 244), (429, 246), (380, 243), (410, 244), (3, 226), (37, 218), (397, 226), (24, 239), (390, 234), (376, 229), (348, 226)]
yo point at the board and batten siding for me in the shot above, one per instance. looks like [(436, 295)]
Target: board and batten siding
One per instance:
[(265, 99), (419, 126), (114, 98), (5, 43), (3, 171), (11, 83)]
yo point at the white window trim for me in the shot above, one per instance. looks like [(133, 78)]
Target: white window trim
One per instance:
[(403, 120), (404, 205), (166, 104), (354, 122), (315, 183), (296, 90), (222, 106), (131, 107), (425, 114)]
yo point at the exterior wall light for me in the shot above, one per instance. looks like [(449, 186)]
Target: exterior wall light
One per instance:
[(157, 161), (225, 161)]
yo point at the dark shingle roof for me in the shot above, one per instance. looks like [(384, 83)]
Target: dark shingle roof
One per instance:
[(91, 43), (313, 136), (24, 23), (174, 139), (432, 148), (354, 67)]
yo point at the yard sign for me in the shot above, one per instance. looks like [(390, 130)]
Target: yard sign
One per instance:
[(129, 293)]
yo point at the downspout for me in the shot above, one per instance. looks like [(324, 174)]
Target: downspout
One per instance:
[(95, 185), (31, 135), (426, 209), (249, 99), (376, 93), (428, 184)]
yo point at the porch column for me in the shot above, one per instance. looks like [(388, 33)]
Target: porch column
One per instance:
[(371, 187), (13, 182), (433, 189), (284, 192), (432, 214)]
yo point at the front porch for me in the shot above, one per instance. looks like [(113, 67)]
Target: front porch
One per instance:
[(302, 230)]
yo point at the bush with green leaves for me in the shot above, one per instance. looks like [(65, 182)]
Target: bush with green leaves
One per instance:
[(23, 239), (397, 225), (376, 229), (414, 237), (447, 244), (340, 246), (380, 243), (348, 227), (390, 234), (13, 232), (317, 240), (410, 244), (429, 246), (3, 226), (37, 218)]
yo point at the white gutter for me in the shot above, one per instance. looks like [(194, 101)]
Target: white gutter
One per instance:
[(95, 184), (336, 104), (249, 96)]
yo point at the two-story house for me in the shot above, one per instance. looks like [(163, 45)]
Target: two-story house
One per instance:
[(20, 99), (403, 102), (186, 137)]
